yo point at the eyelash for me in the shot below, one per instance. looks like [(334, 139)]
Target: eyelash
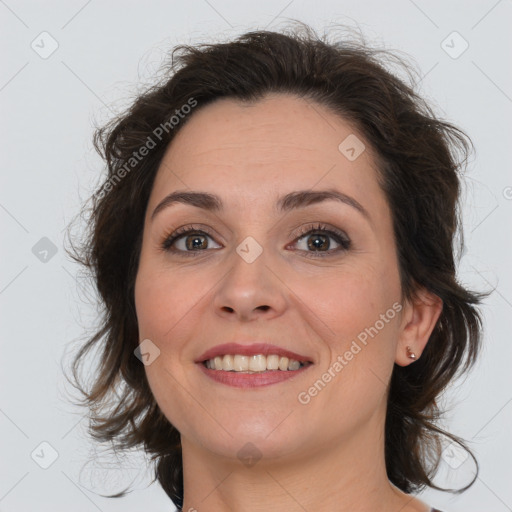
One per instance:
[(340, 237)]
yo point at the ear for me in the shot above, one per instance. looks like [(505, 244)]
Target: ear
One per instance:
[(419, 318)]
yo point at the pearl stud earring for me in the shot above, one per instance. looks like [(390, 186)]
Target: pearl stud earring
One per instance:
[(410, 353)]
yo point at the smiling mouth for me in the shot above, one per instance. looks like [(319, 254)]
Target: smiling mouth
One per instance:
[(258, 363)]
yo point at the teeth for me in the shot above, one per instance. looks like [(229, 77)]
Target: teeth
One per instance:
[(272, 362), (293, 365), (227, 363), (257, 363), (241, 364), (252, 364)]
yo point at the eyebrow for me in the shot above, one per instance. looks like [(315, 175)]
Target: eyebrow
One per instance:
[(286, 203)]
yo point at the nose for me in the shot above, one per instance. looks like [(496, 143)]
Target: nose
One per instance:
[(250, 291)]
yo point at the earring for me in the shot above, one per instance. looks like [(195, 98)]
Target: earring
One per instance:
[(410, 353)]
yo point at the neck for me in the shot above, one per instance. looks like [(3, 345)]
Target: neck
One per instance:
[(349, 476)]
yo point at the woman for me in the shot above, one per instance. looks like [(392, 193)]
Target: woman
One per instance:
[(274, 241)]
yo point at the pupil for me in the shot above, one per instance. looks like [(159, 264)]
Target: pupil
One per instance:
[(319, 244), (194, 239)]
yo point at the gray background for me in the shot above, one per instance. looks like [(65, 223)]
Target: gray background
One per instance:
[(49, 167)]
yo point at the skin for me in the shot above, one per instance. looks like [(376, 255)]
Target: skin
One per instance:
[(327, 454)]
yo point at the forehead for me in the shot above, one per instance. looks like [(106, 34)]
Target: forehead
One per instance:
[(259, 149)]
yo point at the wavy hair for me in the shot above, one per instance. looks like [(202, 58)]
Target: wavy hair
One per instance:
[(420, 160)]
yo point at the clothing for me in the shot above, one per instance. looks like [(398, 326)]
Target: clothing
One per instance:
[(434, 510)]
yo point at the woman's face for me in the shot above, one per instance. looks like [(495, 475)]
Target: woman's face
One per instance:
[(250, 273)]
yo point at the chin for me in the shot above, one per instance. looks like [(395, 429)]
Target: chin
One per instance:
[(247, 435), (249, 446)]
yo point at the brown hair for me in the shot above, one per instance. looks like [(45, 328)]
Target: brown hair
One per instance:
[(419, 158)]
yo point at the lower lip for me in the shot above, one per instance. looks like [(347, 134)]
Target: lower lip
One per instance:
[(251, 380)]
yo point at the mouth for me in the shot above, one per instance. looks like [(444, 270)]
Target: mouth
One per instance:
[(252, 365)]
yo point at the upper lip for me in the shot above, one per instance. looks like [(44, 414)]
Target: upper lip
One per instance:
[(250, 350)]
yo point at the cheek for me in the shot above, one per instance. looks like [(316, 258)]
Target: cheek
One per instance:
[(359, 308), (164, 305), (163, 299), (351, 300)]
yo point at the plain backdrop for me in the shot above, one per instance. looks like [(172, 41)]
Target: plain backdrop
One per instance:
[(68, 65)]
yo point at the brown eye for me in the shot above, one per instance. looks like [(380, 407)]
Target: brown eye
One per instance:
[(194, 242), (321, 241), (188, 240)]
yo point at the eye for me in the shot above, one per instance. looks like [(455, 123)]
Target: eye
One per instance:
[(315, 241), (188, 240)]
